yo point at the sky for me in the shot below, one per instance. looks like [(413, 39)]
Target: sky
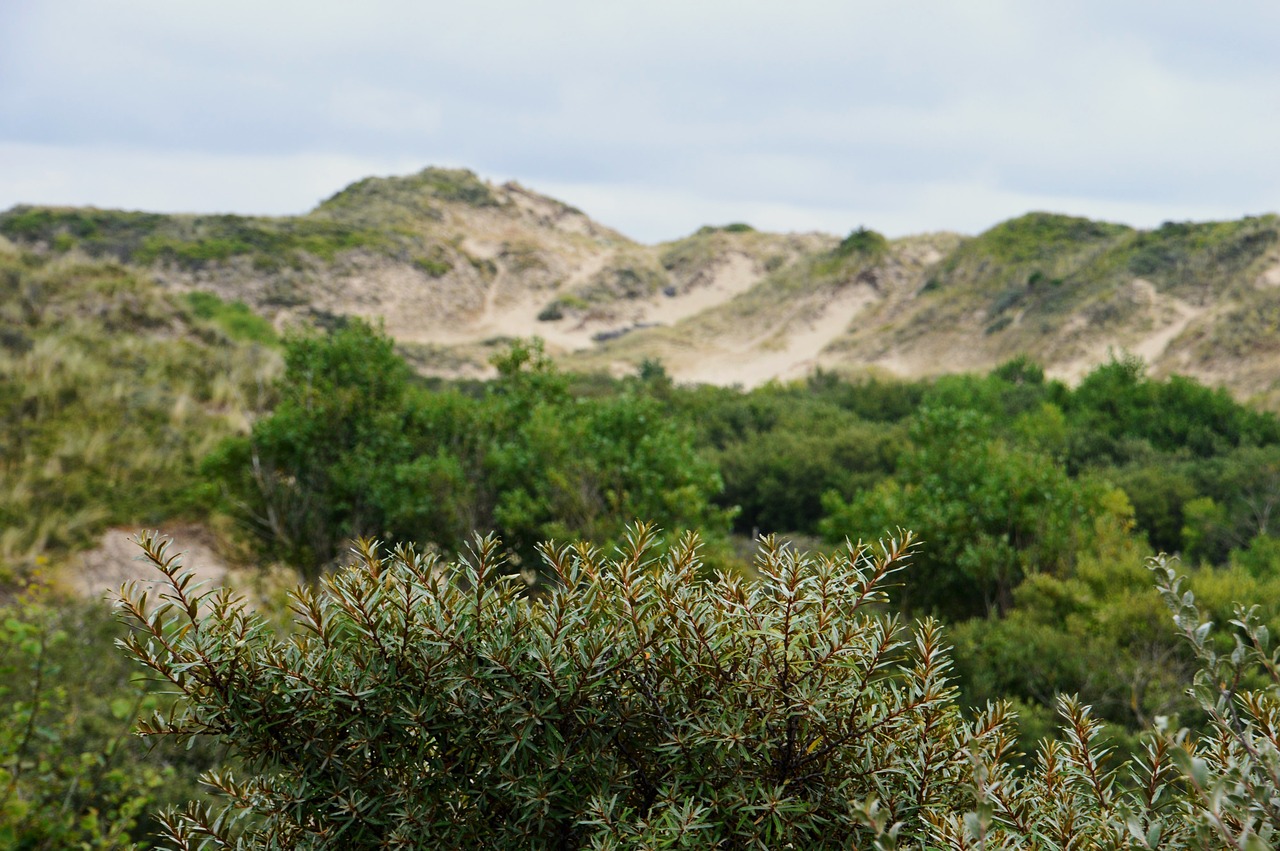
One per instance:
[(655, 117)]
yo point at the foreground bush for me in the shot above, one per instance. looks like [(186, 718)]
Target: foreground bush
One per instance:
[(630, 705), (633, 705)]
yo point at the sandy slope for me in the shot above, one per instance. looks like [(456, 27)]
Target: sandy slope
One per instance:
[(117, 559), (790, 349), (719, 316), (1169, 317)]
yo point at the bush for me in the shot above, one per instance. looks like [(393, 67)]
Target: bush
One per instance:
[(630, 705), (862, 241), (426, 705), (356, 448), (72, 775), (234, 318), (994, 513)]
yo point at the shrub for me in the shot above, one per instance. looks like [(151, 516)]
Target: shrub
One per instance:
[(235, 318), (434, 267), (862, 241), (634, 705), (71, 773), (994, 512), (630, 705), (1234, 772)]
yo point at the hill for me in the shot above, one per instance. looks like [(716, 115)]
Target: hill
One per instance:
[(454, 266)]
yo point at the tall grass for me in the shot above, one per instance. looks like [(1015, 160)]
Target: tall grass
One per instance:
[(110, 393)]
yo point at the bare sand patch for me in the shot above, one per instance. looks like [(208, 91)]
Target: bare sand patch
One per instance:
[(1270, 278), (791, 349), (734, 274), (98, 573), (1169, 316)]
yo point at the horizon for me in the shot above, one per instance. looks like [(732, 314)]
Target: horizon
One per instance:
[(598, 220)]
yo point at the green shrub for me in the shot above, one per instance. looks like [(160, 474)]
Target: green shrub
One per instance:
[(999, 325), (72, 775), (994, 512), (630, 705), (355, 448), (552, 312), (862, 241), (270, 243), (100, 233), (633, 704), (1234, 772), (1036, 236), (436, 266)]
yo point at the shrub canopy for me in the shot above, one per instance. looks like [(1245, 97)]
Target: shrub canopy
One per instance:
[(631, 704)]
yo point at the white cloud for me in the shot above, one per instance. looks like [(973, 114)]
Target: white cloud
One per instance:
[(168, 181), (905, 116)]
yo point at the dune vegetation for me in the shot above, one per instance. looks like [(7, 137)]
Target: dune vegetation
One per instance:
[(1059, 640)]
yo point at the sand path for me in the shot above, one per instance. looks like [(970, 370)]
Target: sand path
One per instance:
[(784, 352), (1150, 347)]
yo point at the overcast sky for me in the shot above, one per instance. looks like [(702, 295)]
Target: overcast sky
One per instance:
[(655, 117)]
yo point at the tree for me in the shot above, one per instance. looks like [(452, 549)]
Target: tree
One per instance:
[(355, 448), (304, 478), (992, 514)]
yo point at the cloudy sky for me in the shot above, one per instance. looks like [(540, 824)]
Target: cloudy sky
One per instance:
[(655, 117)]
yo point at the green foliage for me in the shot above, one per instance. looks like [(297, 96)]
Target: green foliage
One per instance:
[(271, 243), (234, 318), (1039, 235), (1029, 276), (1206, 531), (435, 266), (1116, 402), (1260, 559), (733, 227), (628, 705), (1235, 770), (1098, 633), (862, 241), (854, 255), (993, 514), (307, 472), (552, 312), (72, 775), (1247, 331), (632, 704), (188, 241), (1161, 494), (457, 185), (412, 195), (355, 449), (776, 477), (871, 399), (102, 233), (1188, 255)]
